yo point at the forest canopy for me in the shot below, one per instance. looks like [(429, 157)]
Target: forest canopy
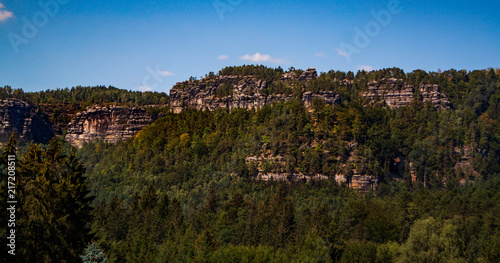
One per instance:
[(188, 187), (86, 96)]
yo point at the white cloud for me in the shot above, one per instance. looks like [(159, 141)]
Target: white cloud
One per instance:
[(320, 55), (166, 73), (365, 68), (222, 57), (4, 14), (257, 57), (145, 89), (341, 53)]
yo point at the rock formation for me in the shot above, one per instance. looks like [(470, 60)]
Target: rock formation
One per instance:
[(238, 92), (21, 118), (361, 182), (395, 93), (309, 74), (250, 92), (114, 123), (329, 97), (109, 124)]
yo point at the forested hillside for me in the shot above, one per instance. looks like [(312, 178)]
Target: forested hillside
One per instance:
[(86, 96), (186, 189), (282, 183)]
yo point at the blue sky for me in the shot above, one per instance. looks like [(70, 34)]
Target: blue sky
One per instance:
[(150, 46)]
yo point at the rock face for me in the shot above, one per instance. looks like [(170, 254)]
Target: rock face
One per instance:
[(357, 180), (360, 182), (115, 123), (238, 92), (250, 92), (277, 174), (329, 97), (21, 118), (309, 74), (110, 124), (395, 93)]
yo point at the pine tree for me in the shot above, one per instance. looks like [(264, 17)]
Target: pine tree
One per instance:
[(93, 254), (56, 211), (283, 220)]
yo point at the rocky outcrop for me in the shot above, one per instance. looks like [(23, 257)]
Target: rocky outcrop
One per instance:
[(251, 93), (307, 75), (395, 93), (22, 119), (361, 182), (206, 94), (277, 173), (329, 97), (115, 123), (59, 114), (238, 92), (109, 124)]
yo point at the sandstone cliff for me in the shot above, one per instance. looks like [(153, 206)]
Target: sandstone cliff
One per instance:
[(251, 93), (109, 124), (114, 123), (267, 166), (21, 118), (239, 92), (395, 93)]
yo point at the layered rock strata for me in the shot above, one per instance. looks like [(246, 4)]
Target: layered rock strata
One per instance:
[(20, 118), (395, 93), (109, 124), (239, 92), (361, 182)]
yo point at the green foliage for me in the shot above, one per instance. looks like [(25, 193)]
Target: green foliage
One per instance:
[(429, 241), (359, 251), (205, 168), (93, 254), (53, 212), (248, 254), (224, 90), (86, 96), (186, 188), (259, 71)]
